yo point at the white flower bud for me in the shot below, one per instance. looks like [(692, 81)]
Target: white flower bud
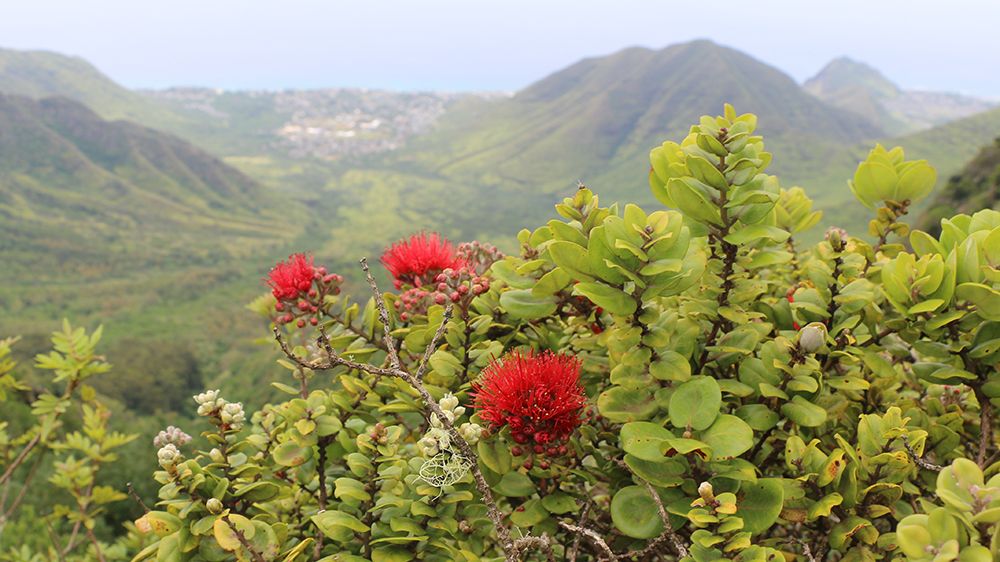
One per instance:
[(428, 446), (812, 337), (232, 415), (448, 402), (171, 435), (706, 492), (168, 456), (471, 432)]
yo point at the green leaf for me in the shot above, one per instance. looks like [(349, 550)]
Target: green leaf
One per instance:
[(620, 404), (495, 455), (572, 258), (163, 523), (515, 485), (695, 404), (291, 453), (643, 440), (258, 491), (729, 436), (529, 514), (760, 504), (523, 304), (756, 232), (559, 502), (226, 536), (803, 412), (692, 202), (328, 523), (635, 514), (169, 549), (664, 473), (611, 299)]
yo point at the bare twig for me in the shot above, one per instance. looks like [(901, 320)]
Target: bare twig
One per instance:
[(668, 529), (135, 496), (321, 475), (985, 428), (571, 555), (97, 545), (55, 541), (383, 314), (422, 367), (917, 458), (525, 544), (20, 457), (605, 551), (256, 556), (806, 550)]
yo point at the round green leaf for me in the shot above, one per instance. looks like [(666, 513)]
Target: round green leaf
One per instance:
[(760, 504), (635, 514), (515, 485), (728, 437), (525, 305), (804, 412), (643, 440), (695, 404), (291, 453)]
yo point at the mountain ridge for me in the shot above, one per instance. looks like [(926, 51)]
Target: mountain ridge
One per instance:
[(864, 90)]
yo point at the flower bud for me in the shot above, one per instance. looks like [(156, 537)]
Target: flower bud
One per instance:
[(706, 492), (171, 435), (233, 415), (812, 337), (448, 402), (168, 456), (214, 506), (471, 432), (837, 237)]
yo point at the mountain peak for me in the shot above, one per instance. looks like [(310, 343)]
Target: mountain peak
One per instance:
[(844, 73)]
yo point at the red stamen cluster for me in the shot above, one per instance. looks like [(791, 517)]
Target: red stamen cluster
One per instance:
[(418, 259), (538, 396), (458, 285), (300, 289)]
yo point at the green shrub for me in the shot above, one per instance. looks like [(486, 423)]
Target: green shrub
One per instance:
[(633, 385)]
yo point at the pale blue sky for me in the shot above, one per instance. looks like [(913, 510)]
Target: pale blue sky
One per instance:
[(495, 45)]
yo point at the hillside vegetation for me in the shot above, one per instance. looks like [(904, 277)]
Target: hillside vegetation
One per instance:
[(977, 186)]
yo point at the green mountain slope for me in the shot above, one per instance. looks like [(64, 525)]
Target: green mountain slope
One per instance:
[(491, 166), (40, 74), (113, 222), (859, 88), (613, 109), (976, 187), (72, 180)]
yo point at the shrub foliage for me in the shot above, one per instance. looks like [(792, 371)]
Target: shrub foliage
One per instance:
[(689, 383)]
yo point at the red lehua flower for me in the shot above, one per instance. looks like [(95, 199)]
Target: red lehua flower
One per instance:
[(420, 258), (291, 278), (538, 396)]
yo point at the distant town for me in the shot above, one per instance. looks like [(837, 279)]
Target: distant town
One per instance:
[(328, 123)]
